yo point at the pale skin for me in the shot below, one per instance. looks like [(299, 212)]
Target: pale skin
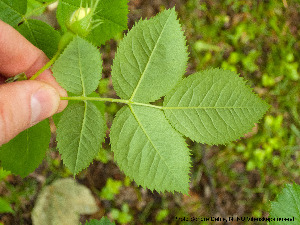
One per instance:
[(24, 103)]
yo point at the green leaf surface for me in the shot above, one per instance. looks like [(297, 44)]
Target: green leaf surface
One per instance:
[(151, 59), (40, 35), (103, 221), (287, 205), (213, 107), (57, 117), (100, 105), (79, 67), (5, 207), (80, 133), (149, 150), (25, 152), (44, 1), (113, 16), (62, 202), (12, 11), (34, 8)]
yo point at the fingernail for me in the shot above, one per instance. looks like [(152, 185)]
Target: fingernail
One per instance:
[(44, 103)]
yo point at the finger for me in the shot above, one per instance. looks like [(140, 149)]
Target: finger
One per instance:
[(17, 55), (2, 80), (48, 78), (23, 104)]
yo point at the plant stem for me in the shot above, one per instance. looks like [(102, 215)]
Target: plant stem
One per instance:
[(83, 98), (148, 105), (128, 102), (46, 66)]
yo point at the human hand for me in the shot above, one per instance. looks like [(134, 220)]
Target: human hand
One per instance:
[(24, 103)]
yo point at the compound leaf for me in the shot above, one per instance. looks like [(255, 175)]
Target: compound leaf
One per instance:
[(25, 152), (11, 12), (213, 107), (287, 205), (151, 59), (41, 35), (62, 202), (103, 221), (80, 133), (112, 14), (149, 150), (79, 67)]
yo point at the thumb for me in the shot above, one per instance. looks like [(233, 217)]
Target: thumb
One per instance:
[(23, 104)]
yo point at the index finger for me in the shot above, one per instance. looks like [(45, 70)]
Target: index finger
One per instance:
[(18, 55)]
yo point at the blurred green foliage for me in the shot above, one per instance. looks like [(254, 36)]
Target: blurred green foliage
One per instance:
[(103, 156), (3, 173), (161, 215), (122, 216), (261, 41), (111, 188), (5, 207)]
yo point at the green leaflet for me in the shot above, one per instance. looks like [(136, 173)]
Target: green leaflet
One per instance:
[(11, 12), (80, 133), (151, 59), (79, 67), (100, 105), (287, 205), (213, 107), (149, 150), (112, 14), (103, 221), (62, 202), (25, 152), (81, 129), (34, 8), (41, 35)]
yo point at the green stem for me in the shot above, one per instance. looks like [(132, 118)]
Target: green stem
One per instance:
[(82, 98), (128, 102), (46, 66), (148, 105)]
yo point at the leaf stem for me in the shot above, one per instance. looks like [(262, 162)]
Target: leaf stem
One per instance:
[(46, 66), (128, 102), (83, 98), (148, 105)]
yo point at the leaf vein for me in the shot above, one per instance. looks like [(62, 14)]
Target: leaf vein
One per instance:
[(148, 63)]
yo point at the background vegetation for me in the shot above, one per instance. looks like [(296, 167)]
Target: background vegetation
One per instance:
[(259, 39)]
